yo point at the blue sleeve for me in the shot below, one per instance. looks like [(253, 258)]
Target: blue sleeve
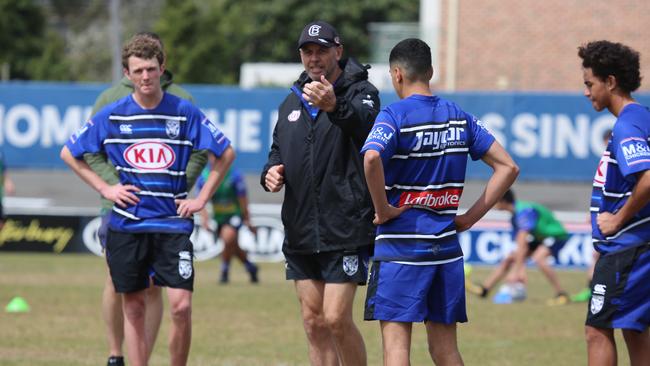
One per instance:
[(631, 146), (383, 136), (480, 139), (238, 182), (89, 138), (526, 219), (206, 135)]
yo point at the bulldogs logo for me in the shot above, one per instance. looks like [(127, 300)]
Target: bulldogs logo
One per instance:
[(185, 264), (350, 264), (173, 128)]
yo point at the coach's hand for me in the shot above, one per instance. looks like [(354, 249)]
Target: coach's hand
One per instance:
[(123, 196), (320, 94), (274, 179), (187, 207)]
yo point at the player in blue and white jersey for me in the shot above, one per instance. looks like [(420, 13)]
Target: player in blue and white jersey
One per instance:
[(620, 208), (149, 136), (415, 161)]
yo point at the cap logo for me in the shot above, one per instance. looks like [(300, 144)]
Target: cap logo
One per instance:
[(314, 30)]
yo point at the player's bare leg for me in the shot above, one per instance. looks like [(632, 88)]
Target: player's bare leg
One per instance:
[(113, 317), (134, 330), (443, 345), (153, 316), (638, 346), (396, 342), (337, 307), (539, 257), (601, 346), (180, 334), (322, 350), (229, 236), (499, 272)]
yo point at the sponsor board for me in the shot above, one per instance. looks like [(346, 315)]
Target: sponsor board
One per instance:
[(488, 242), (552, 136)]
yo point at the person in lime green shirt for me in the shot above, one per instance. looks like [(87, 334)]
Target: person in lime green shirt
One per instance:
[(230, 211), (112, 301), (538, 235)]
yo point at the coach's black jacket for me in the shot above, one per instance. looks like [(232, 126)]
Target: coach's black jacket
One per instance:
[(327, 205)]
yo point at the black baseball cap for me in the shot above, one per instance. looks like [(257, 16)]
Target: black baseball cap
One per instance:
[(321, 33)]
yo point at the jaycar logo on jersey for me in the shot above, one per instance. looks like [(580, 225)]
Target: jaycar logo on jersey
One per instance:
[(635, 150), (446, 198), (150, 155)]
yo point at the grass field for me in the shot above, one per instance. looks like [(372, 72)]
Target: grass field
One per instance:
[(244, 324)]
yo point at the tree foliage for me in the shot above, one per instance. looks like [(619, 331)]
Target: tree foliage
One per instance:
[(206, 42)]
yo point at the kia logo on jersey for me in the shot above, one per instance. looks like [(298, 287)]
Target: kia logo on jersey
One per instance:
[(150, 155), (447, 198)]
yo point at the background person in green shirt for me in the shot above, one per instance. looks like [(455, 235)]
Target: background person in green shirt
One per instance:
[(112, 301), (538, 235), (230, 211)]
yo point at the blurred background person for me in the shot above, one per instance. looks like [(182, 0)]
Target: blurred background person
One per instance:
[(538, 235), (230, 211)]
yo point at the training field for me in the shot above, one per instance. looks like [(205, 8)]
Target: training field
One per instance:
[(243, 324)]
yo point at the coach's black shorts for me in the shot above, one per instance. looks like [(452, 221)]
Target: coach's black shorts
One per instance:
[(331, 267), (134, 257), (620, 290)]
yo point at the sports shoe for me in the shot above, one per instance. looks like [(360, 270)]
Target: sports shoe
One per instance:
[(475, 289), (253, 273), (224, 278), (561, 299), (582, 296), (115, 361)]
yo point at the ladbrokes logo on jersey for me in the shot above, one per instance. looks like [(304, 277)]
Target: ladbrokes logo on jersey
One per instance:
[(150, 155), (441, 199)]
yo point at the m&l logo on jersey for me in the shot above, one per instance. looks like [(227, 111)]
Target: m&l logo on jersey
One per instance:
[(635, 150), (441, 199), (150, 155)]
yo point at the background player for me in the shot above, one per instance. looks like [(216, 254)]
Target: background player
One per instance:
[(230, 211), (538, 235)]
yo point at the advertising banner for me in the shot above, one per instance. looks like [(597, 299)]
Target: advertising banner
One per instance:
[(488, 242), (551, 136)]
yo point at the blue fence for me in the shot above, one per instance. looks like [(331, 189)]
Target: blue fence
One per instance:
[(551, 136)]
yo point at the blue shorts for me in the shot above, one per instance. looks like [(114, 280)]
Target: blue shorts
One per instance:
[(416, 293), (620, 290)]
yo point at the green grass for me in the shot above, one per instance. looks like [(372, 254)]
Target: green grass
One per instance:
[(243, 324)]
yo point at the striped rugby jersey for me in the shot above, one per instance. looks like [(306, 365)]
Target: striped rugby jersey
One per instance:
[(150, 149), (424, 142), (627, 153)]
